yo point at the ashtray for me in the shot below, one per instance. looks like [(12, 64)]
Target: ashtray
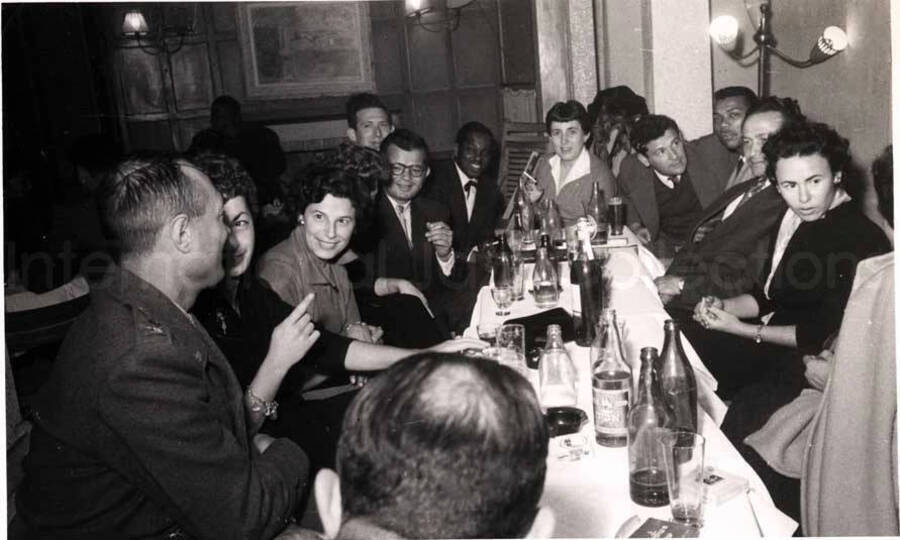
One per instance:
[(564, 420)]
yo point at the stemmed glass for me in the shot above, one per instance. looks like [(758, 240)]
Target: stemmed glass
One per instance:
[(502, 293)]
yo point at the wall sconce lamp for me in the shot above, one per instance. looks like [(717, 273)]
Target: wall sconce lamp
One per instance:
[(134, 26), (436, 15), (725, 32)]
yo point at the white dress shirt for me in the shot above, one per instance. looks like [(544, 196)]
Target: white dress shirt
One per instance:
[(405, 219), (665, 179), (469, 196)]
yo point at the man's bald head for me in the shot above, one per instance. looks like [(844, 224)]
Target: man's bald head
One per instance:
[(443, 445)]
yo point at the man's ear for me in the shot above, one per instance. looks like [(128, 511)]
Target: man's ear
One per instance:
[(643, 159), (328, 501), (838, 176), (351, 134), (180, 233), (543, 524)]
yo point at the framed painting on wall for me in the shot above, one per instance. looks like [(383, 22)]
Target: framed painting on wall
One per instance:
[(305, 49)]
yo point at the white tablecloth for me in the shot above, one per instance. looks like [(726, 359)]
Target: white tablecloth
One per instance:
[(590, 496)]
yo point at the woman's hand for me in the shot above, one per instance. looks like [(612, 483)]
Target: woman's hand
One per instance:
[(361, 331), (701, 310), (293, 338), (719, 319), (385, 286), (818, 368)]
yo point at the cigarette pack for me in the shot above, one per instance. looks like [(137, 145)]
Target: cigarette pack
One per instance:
[(722, 486)]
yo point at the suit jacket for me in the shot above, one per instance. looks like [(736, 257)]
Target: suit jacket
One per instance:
[(719, 161), (576, 194), (394, 259), (141, 431), (728, 260), (444, 187), (812, 282), (636, 187)]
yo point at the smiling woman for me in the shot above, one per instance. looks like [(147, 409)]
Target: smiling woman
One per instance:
[(329, 202)]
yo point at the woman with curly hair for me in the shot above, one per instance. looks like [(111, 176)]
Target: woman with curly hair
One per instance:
[(243, 314)]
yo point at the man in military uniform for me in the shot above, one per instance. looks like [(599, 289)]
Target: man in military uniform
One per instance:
[(141, 429)]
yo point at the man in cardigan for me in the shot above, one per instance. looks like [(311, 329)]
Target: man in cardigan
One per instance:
[(665, 184), (141, 429)]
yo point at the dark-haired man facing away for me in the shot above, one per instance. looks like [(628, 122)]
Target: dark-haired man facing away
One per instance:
[(141, 429), (439, 446)]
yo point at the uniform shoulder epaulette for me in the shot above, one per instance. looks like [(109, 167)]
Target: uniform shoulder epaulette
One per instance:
[(147, 328)]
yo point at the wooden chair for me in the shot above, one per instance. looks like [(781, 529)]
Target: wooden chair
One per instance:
[(519, 139)]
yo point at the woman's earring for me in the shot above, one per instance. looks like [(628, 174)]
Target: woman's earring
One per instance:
[(300, 220)]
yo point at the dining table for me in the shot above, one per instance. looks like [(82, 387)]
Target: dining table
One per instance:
[(587, 485)]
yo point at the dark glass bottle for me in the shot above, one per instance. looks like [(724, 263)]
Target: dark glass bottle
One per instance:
[(503, 266), (588, 273), (646, 422), (596, 210), (676, 380)]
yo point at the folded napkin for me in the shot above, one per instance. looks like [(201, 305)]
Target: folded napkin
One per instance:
[(536, 326)]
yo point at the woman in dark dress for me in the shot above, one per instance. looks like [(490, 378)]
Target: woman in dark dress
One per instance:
[(246, 319), (755, 342)]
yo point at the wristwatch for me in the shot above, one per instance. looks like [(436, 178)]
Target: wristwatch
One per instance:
[(758, 337)]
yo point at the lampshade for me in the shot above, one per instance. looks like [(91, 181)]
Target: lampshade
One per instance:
[(832, 41), (724, 31), (134, 23)]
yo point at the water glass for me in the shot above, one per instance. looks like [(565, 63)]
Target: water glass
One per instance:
[(503, 297), (518, 267), (683, 455)]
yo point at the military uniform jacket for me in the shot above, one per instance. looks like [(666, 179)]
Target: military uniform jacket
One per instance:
[(141, 431)]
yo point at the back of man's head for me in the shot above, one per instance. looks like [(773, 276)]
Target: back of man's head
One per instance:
[(444, 446), (649, 128), (140, 195)]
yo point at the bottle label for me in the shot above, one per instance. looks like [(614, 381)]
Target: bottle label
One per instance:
[(611, 411)]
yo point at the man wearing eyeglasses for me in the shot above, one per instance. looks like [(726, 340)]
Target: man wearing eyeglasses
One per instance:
[(415, 240)]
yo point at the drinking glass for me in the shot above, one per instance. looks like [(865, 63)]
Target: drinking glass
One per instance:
[(487, 331), (511, 342), (683, 455), (503, 297), (616, 216)]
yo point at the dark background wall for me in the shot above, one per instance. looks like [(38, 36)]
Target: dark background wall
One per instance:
[(69, 72)]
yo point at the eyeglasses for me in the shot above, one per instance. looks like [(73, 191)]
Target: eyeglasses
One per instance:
[(416, 171)]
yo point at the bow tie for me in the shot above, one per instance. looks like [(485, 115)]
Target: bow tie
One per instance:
[(470, 185)]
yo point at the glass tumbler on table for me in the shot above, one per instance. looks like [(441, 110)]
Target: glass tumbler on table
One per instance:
[(503, 297), (511, 342), (683, 453)]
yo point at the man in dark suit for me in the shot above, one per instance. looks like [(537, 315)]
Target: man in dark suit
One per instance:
[(666, 183), (415, 241), (729, 243), (722, 148), (465, 187), (141, 430)]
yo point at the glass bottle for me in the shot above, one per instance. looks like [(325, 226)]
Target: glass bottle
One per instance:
[(587, 271), (596, 211), (551, 224), (515, 234), (611, 383), (558, 376), (648, 417), (544, 281), (503, 265), (526, 215), (676, 380)]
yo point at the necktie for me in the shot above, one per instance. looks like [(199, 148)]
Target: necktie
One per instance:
[(471, 188), (401, 211), (753, 191)]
